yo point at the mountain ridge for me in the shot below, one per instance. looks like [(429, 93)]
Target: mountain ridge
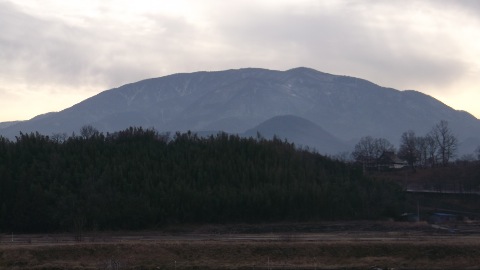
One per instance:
[(237, 100)]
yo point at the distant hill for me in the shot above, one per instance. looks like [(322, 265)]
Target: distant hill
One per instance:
[(235, 101), (299, 130)]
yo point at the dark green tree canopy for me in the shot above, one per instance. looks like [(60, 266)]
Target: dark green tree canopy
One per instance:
[(141, 179)]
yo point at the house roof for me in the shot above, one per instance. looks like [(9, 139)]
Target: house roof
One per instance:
[(390, 157)]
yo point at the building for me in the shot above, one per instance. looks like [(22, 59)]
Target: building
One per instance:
[(389, 161)]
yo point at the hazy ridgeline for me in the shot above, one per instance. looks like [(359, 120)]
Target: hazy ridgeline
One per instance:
[(140, 179)]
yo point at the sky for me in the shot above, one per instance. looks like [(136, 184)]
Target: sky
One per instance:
[(55, 53)]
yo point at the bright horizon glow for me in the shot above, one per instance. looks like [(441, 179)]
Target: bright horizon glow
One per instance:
[(55, 54)]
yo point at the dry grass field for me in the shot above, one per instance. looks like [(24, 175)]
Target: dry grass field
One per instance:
[(351, 245)]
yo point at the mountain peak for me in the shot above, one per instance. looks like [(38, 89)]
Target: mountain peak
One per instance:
[(303, 69)]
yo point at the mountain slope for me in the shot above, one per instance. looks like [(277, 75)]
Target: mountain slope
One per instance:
[(299, 130), (237, 100), (7, 124)]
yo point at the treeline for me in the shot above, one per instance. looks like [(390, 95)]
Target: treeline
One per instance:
[(141, 179), (436, 148)]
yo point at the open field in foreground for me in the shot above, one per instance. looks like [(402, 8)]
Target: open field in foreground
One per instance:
[(307, 246)]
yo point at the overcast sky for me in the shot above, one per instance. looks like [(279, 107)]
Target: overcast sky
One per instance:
[(54, 54)]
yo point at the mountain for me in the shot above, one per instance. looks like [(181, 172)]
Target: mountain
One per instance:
[(299, 130), (7, 124), (235, 101)]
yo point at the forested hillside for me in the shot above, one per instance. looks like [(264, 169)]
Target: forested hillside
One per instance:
[(140, 179)]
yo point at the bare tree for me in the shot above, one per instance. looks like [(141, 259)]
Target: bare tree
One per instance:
[(59, 137), (409, 149), (422, 148), (431, 149), (477, 152), (383, 145), (445, 140), (88, 131), (369, 149), (364, 150), (427, 150)]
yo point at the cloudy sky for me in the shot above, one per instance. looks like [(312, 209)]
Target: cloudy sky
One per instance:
[(55, 53)]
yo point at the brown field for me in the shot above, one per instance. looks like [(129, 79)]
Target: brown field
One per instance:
[(334, 245)]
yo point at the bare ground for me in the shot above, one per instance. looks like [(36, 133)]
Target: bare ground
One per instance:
[(330, 245)]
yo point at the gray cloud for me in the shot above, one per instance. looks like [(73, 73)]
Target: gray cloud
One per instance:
[(37, 50), (51, 52), (361, 38), (349, 39), (465, 6)]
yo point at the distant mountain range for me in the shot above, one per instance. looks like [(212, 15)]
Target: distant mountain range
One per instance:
[(311, 108)]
